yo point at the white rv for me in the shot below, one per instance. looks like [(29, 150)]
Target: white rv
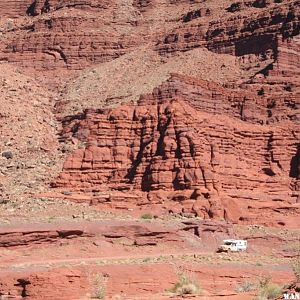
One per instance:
[(233, 246)]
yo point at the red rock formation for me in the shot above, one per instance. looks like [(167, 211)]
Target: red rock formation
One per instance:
[(61, 49), (27, 237), (48, 41), (192, 147), (237, 35), (40, 285), (14, 8), (166, 144), (219, 147), (140, 234), (18, 8), (41, 6)]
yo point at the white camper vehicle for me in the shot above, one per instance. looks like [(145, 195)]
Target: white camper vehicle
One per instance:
[(233, 246)]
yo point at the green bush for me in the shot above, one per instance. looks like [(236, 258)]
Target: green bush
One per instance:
[(147, 216)]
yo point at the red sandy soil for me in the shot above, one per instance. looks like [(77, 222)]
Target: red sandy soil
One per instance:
[(138, 259)]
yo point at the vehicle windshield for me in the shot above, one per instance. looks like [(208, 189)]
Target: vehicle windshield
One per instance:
[(229, 244)]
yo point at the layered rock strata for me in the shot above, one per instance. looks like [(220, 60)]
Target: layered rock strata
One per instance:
[(46, 39), (170, 146), (224, 148)]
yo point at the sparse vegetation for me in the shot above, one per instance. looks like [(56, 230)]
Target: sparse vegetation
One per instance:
[(147, 216), (246, 286), (117, 297), (296, 267), (268, 289), (99, 287), (186, 285), (146, 259)]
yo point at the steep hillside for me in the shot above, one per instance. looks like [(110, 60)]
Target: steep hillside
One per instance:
[(187, 82), (28, 129)]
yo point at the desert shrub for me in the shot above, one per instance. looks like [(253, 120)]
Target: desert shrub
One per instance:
[(147, 216), (99, 287), (186, 285), (268, 289), (296, 267), (246, 286)]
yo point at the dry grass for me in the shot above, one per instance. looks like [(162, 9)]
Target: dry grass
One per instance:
[(296, 267), (186, 285), (268, 289), (99, 287), (246, 286), (147, 216)]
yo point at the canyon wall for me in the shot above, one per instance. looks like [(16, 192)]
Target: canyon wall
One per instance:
[(46, 38), (228, 148), (170, 145), (222, 144)]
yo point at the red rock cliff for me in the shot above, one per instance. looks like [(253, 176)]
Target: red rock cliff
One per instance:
[(230, 149)]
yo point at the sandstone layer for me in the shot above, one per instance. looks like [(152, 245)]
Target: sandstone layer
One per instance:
[(210, 123), (126, 258), (231, 149)]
